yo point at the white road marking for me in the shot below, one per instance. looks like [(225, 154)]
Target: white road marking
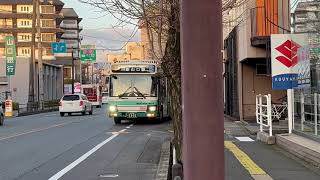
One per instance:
[(109, 176), (35, 130), (83, 157), (245, 139)]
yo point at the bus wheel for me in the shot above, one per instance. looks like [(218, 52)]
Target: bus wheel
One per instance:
[(117, 120)]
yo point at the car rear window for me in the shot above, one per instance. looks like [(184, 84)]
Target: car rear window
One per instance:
[(71, 98)]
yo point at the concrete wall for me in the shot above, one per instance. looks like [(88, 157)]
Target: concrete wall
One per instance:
[(19, 84), (253, 85)]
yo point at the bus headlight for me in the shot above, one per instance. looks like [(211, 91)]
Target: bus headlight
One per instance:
[(152, 108), (112, 108)]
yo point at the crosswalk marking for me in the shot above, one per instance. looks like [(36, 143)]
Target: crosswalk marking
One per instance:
[(245, 139)]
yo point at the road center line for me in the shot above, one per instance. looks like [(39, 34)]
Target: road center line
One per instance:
[(34, 131), (83, 157)]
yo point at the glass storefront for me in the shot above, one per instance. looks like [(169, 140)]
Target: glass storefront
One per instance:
[(307, 94)]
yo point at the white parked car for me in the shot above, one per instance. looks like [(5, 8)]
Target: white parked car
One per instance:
[(75, 103), (105, 97), (1, 115)]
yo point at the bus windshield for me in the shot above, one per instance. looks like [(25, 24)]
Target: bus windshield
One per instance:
[(133, 86)]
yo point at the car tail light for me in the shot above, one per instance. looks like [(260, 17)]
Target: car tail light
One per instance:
[(81, 103)]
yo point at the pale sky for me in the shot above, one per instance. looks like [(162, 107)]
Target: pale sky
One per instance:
[(92, 19), (97, 28)]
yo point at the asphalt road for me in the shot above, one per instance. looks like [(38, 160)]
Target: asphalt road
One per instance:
[(47, 146)]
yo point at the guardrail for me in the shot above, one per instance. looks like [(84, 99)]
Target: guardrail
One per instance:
[(38, 106), (34, 107), (264, 112)]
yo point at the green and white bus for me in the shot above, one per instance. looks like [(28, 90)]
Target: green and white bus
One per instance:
[(136, 92)]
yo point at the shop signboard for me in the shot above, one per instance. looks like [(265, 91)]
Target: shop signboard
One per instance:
[(11, 56), (284, 59), (8, 108)]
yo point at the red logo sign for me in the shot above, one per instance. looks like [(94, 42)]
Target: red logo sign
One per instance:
[(289, 51)]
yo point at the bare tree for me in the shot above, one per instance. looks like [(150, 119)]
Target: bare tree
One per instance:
[(161, 20), (151, 14)]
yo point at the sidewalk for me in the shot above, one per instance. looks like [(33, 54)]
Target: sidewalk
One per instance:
[(278, 127), (245, 157)]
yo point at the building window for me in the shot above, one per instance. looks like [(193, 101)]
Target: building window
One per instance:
[(3, 36), (48, 52), (6, 23), (47, 23), (5, 8), (261, 69), (67, 73), (24, 8), (47, 9), (23, 37), (25, 52), (48, 37), (24, 23)]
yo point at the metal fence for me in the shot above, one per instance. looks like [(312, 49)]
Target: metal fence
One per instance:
[(264, 112), (309, 108)]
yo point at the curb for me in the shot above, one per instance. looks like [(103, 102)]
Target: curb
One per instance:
[(163, 167), (245, 125), (36, 112)]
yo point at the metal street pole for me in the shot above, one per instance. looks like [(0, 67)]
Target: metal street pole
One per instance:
[(73, 73), (33, 59), (40, 68), (202, 90)]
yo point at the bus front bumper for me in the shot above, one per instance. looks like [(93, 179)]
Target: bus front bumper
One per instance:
[(133, 115)]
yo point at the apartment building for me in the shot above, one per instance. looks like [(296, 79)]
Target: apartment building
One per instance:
[(71, 36), (133, 51), (247, 53), (16, 20), (306, 17)]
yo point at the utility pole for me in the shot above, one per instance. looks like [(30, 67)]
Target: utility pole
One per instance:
[(40, 68), (73, 71), (33, 59), (202, 90)]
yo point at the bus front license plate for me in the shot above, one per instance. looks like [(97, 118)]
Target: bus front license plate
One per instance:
[(132, 115)]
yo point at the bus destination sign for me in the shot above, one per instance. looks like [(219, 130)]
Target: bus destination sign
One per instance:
[(134, 69)]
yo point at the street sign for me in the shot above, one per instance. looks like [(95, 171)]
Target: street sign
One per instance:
[(59, 47), (284, 59), (88, 53), (11, 56)]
